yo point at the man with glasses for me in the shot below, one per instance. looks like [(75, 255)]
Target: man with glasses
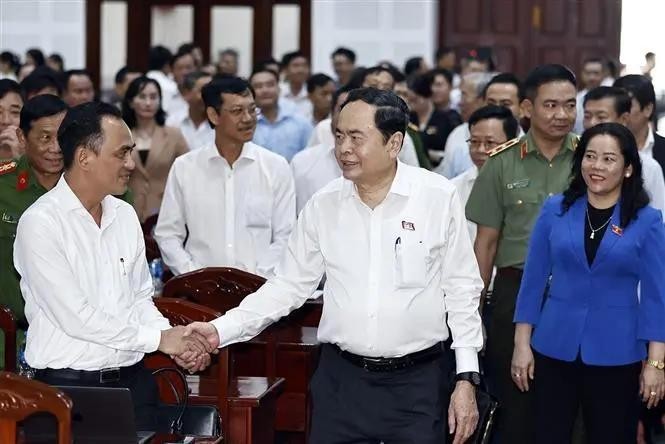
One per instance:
[(231, 204)]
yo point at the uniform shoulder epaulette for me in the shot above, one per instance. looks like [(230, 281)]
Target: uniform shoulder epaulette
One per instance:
[(574, 141), (7, 167), (503, 147), (412, 126)]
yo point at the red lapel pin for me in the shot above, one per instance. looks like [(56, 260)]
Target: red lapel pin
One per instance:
[(617, 230)]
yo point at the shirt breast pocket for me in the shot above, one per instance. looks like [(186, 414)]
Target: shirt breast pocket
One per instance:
[(258, 212), (410, 265)]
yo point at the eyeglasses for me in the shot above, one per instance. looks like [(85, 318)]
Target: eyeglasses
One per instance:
[(238, 111), (475, 144)]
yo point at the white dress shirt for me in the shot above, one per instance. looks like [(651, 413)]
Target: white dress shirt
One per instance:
[(464, 183), (579, 118), (648, 144), (323, 135), (457, 141), (393, 273), (300, 101), (313, 169), (87, 288), (196, 136), (238, 216), (166, 84), (654, 182), (178, 108)]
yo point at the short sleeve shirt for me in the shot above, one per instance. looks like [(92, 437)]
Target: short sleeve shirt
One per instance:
[(510, 190)]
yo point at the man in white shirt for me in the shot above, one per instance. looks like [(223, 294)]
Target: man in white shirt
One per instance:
[(84, 275), (233, 201), (315, 167), (181, 65), (159, 68), (194, 125), (294, 90), (592, 76), (612, 104), (489, 127), (393, 244)]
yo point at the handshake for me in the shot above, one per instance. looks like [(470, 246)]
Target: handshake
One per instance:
[(190, 346)]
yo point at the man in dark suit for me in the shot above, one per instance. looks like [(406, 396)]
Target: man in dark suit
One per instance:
[(642, 111)]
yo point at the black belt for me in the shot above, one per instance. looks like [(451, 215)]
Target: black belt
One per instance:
[(104, 376), (391, 364)]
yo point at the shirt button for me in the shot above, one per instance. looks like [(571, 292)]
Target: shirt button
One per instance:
[(519, 202), (551, 165), (372, 315), (229, 245), (550, 194)]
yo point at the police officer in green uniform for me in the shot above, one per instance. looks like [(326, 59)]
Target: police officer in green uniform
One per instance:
[(504, 203), (22, 182)]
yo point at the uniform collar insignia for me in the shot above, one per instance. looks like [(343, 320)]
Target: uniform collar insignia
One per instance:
[(7, 167), (22, 180)]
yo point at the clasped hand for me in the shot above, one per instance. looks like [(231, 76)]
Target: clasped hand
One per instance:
[(188, 346)]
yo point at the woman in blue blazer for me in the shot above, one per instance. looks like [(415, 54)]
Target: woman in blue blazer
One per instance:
[(593, 292)]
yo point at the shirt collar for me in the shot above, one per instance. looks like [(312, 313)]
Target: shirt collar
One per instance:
[(401, 183), (283, 112), (27, 174), (648, 144), (249, 151), (70, 202), (528, 145)]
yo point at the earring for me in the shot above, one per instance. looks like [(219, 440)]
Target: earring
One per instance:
[(627, 175)]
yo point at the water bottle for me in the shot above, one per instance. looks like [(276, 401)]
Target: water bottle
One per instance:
[(23, 368), (156, 271)]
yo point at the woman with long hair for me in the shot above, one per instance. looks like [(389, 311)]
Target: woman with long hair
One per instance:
[(157, 146), (591, 305)]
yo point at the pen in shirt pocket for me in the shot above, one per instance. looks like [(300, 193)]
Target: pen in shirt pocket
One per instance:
[(398, 241), (122, 262)]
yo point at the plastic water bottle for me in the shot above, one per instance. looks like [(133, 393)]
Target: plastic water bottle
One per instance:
[(23, 368), (156, 271)]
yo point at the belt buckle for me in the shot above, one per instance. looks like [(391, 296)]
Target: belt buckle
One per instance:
[(109, 375), (375, 364)]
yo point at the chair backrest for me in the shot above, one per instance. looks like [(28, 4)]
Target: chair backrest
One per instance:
[(8, 327), (220, 288), (21, 397)]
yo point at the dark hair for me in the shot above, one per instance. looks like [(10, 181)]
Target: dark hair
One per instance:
[(543, 74), (42, 77), (346, 52), (392, 113), (191, 79), (622, 102), (421, 85), (121, 75), (649, 55), (265, 62), (67, 75), (9, 85), (11, 59), (158, 57), (291, 56), (44, 105), (412, 65), (134, 89), (639, 87), (182, 52), (338, 92), (57, 58), (318, 81), (260, 70), (212, 92), (502, 113), (357, 77), (82, 126), (37, 55), (633, 196), (378, 69), (588, 60), (442, 51), (506, 78), (188, 47), (230, 51), (441, 72)]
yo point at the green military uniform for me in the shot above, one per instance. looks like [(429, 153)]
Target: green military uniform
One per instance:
[(507, 195), (421, 152), (19, 189)]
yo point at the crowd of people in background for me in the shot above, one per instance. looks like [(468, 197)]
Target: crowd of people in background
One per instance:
[(249, 154)]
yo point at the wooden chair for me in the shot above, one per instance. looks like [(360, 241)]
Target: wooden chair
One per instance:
[(151, 247), (247, 404), (21, 397), (287, 349), (8, 327)]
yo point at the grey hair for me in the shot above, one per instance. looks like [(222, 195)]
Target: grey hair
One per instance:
[(479, 80)]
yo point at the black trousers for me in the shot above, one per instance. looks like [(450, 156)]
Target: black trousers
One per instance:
[(515, 419), (608, 397), (141, 383), (352, 405)]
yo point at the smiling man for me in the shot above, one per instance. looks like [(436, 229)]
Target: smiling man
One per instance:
[(232, 203), (504, 203), (393, 244)]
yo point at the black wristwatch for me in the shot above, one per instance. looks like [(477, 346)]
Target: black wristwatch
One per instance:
[(472, 377)]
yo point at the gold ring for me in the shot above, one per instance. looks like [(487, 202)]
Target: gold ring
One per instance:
[(653, 394)]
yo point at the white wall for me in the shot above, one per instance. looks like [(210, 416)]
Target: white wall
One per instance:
[(376, 30), (52, 26)]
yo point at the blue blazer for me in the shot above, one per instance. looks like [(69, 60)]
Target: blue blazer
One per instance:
[(594, 310)]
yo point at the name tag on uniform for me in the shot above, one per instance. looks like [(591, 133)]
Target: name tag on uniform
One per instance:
[(519, 184), (8, 218)]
